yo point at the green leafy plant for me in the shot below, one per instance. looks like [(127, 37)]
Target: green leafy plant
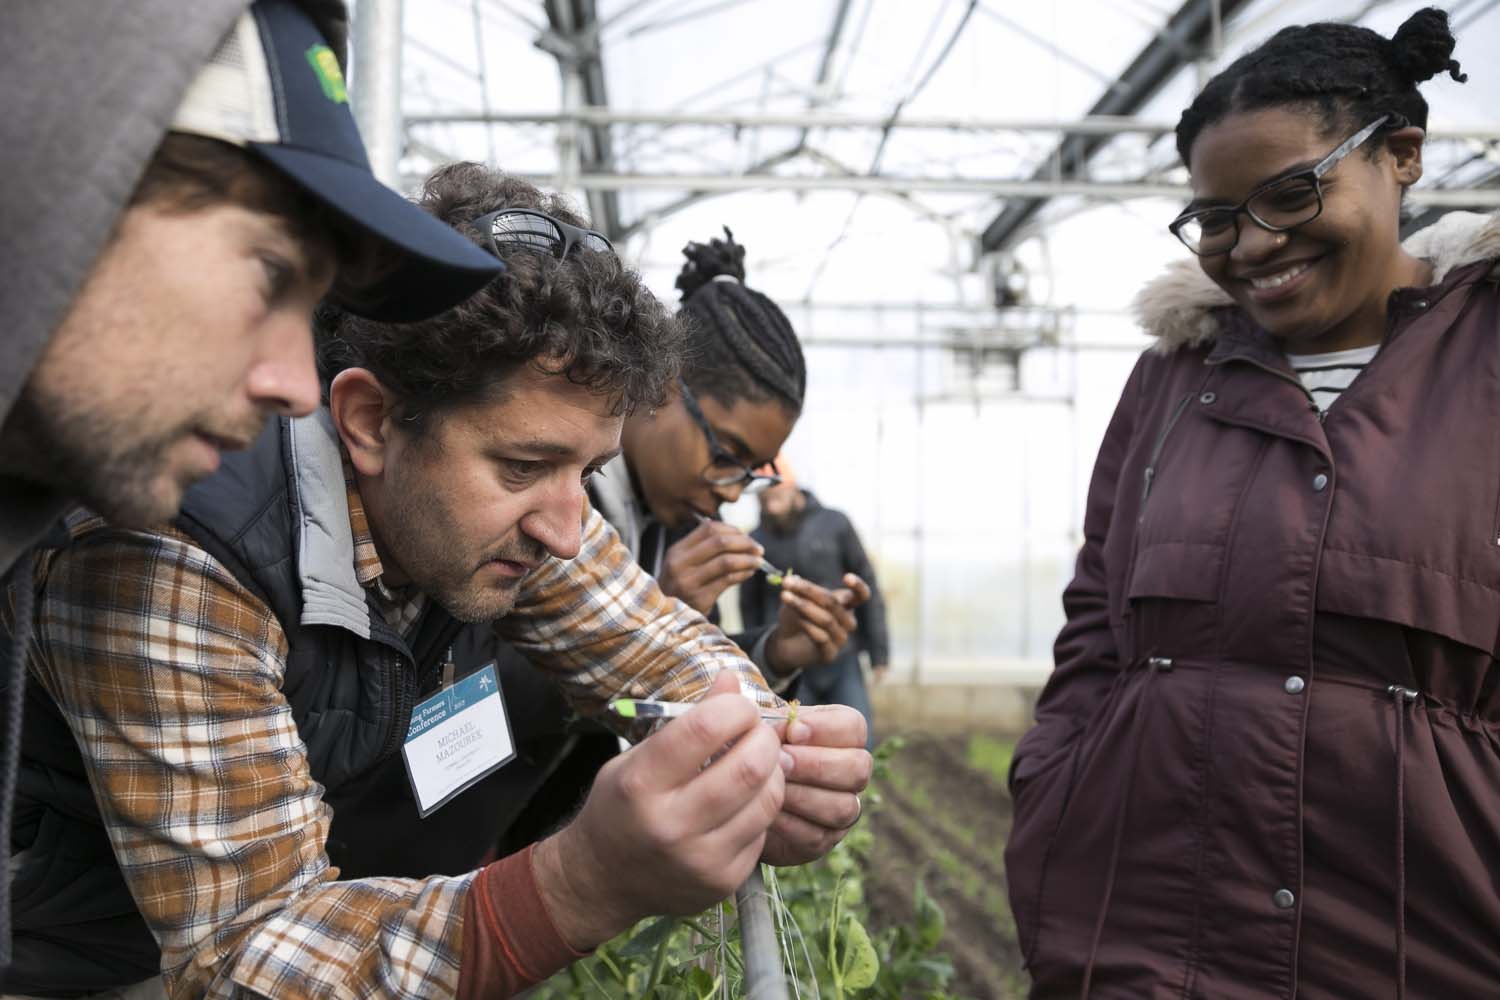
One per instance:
[(828, 946)]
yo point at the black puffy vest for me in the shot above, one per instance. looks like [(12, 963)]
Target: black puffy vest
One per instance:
[(77, 930)]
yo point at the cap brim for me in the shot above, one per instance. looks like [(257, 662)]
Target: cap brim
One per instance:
[(435, 268)]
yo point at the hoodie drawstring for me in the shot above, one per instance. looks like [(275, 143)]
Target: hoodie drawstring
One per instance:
[(22, 584), (1154, 665), (1402, 698)]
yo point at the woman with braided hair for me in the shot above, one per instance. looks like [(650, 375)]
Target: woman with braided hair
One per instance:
[(1268, 761), (739, 397)]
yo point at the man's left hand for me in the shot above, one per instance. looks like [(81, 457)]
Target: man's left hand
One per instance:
[(814, 623), (831, 767)]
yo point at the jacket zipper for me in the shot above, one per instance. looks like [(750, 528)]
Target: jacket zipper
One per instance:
[(1161, 442)]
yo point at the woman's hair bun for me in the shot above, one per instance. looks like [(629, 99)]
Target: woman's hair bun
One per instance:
[(707, 261), (1423, 47)]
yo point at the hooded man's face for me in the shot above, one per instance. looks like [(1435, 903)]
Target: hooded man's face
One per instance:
[(192, 328)]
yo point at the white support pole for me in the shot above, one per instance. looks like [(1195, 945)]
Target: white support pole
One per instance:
[(375, 84), (764, 977), (569, 146)]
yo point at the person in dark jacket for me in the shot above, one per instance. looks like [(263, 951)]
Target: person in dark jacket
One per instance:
[(1266, 763), (801, 535)]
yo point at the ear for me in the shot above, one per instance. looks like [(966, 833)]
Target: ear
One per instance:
[(361, 406), (1405, 147)]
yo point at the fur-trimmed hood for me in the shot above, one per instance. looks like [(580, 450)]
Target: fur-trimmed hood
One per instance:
[(1178, 307)]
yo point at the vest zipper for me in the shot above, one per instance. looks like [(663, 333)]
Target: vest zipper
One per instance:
[(401, 682), (1149, 476), (407, 682)]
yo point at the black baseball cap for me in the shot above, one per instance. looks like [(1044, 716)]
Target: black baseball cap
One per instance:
[(274, 87)]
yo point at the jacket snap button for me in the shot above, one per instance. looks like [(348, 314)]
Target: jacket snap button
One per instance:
[(1284, 899), (1320, 482), (1294, 684), (1208, 398)]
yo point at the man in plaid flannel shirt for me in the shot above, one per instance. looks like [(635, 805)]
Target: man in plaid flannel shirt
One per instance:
[(442, 485)]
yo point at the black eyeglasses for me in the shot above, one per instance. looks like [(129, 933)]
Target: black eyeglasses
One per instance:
[(532, 230), (723, 469), (1281, 205)]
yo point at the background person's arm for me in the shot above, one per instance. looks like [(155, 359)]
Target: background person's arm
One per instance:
[(874, 639)]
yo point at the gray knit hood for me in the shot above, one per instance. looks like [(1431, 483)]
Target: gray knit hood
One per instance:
[(89, 91)]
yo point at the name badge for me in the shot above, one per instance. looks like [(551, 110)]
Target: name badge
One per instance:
[(456, 737)]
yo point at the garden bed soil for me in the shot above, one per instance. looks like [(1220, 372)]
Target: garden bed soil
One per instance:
[(945, 821)]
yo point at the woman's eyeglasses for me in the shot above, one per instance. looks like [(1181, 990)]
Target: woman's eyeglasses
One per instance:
[(529, 229), (723, 469), (1283, 204)]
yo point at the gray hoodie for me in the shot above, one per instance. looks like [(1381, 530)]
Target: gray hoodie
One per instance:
[(89, 88)]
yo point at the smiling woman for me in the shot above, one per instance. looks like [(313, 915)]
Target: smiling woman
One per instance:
[(1263, 765)]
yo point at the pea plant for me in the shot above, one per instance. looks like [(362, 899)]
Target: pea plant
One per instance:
[(829, 948)]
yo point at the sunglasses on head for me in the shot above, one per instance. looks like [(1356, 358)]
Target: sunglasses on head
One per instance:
[(528, 229)]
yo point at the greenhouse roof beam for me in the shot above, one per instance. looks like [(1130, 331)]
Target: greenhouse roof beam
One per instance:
[(825, 66), (1092, 125), (1479, 198), (574, 40), (1187, 31), (1100, 125)]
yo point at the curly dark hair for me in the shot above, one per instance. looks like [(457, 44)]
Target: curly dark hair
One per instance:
[(740, 343), (1345, 74), (586, 317)]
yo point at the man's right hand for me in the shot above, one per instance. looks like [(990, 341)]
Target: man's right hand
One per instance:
[(661, 832), (708, 561)]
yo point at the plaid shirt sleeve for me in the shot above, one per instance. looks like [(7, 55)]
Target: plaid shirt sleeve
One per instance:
[(604, 627), (169, 673)]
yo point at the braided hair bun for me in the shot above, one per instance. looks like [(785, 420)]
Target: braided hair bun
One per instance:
[(1345, 74), (1423, 47), (706, 261), (740, 343)]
